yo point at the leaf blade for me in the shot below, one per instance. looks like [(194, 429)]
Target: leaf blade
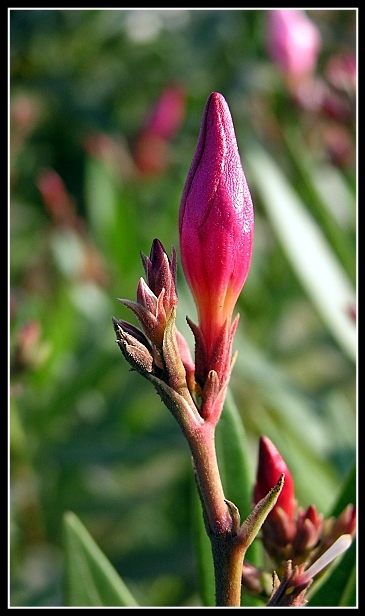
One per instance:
[(91, 579)]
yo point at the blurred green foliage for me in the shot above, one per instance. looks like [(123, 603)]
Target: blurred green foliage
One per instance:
[(86, 434)]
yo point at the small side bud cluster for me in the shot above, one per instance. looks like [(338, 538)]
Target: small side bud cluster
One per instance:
[(156, 298), (291, 591), (291, 534), (157, 350)]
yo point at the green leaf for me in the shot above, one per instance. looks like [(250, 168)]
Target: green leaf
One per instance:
[(310, 255), (203, 553), (236, 473), (112, 215), (348, 493), (233, 457), (91, 580), (329, 195), (339, 586)]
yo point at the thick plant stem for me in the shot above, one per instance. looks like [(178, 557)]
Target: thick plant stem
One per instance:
[(221, 527), (216, 511), (228, 556)]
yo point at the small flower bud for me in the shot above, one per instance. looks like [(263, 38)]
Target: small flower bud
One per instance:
[(279, 528), (135, 348), (270, 466), (165, 117), (156, 298), (308, 532), (151, 150), (290, 592), (161, 274), (345, 524), (333, 528)]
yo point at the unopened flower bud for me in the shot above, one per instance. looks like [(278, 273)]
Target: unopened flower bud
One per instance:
[(309, 528), (165, 117), (279, 528), (290, 592), (151, 150), (270, 466), (293, 41), (156, 298), (216, 233), (333, 528), (134, 346), (345, 524), (161, 274)]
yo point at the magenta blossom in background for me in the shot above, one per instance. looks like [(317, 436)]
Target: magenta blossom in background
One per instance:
[(166, 116), (293, 41), (216, 232), (163, 121)]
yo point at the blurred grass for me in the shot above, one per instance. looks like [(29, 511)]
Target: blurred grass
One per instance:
[(86, 434)]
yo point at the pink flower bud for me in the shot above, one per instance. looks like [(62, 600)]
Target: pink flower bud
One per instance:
[(166, 116), (57, 200), (151, 151), (271, 465), (309, 527), (216, 224), (293, 41)]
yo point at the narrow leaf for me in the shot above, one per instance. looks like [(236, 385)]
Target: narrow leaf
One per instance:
[(237, 475), (257, 517), (91, 579), (203, 553), (348, 493), (338, 588), (235, 466), (233, 457), (307, 249)]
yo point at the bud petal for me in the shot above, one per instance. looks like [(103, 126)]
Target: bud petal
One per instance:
[(161, 274), (133, 348), (145, 297), (337, 548), (216, 222)]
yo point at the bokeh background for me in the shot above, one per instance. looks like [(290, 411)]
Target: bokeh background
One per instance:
[(96, 173)]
